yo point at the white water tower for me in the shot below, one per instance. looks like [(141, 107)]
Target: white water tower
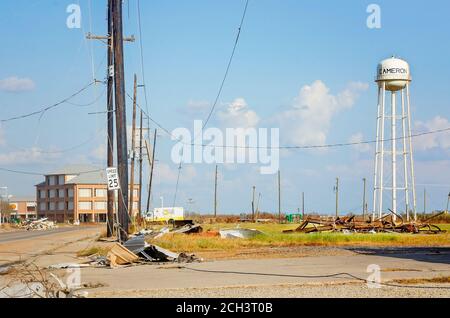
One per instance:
[(393, 141)]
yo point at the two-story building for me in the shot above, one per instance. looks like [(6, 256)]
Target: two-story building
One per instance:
[(23, 207), (76, 193)]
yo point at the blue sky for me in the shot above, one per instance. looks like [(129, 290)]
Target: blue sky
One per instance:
[(285, 47)]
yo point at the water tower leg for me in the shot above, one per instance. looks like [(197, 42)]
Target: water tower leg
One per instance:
[(405, 156), (383, 119), (411, 159), (377, 155), (394, 155)]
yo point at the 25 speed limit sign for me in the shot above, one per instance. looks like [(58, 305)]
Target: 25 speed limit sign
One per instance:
[(113, 179)]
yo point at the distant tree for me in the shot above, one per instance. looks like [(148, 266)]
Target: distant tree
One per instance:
[(5, 209)]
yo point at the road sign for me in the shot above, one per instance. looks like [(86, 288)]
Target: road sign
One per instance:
[(113, 178)]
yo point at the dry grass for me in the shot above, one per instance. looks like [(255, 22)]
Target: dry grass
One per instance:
[(94, 250), (273, 237), (414, 281)]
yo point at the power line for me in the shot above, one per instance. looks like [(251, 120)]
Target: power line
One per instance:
[(45, 109), (339, 275), (228, 66), (335, 145), (141, 49), (44, 173), (87, 141)]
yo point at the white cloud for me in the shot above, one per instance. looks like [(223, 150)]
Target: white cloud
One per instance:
[(357, 138), (439, 140), (15, 84), (308, 121), (99, 152), (27, 156), (166, 174), (2, 137), (238, 114), (198, 105)]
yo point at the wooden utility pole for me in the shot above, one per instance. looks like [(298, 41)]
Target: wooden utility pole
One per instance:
[(448, 202), (110, 104), (121, 122), (215, 194), (364, 198), (257, 206), (337, 197), (140, 169), (279, 196), (110, 120), (424, 201), (133, 148), (151, 170), (303, 205), (253, 204)]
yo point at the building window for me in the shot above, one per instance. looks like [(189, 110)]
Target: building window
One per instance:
[(42, 194), (52, 180), (69, 205), (70, 193), (61, 206), (100, 193), (61, 180), (43, 206), (52, 193), (85, 193), (52, 206), (100, 205), (61, 193), (85, 205)]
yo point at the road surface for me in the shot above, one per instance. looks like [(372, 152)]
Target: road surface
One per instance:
[(26, 235)]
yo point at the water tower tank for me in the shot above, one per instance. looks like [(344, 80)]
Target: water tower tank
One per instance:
[(394, 72)]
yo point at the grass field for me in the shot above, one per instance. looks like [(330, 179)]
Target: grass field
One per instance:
[(273, 237)]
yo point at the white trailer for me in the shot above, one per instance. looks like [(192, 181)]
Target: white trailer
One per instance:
[(166, 214)]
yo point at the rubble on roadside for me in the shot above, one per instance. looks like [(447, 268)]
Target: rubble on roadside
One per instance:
[(39, 225), (185, 229)]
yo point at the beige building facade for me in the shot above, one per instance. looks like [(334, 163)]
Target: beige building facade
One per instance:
[(76, 193)]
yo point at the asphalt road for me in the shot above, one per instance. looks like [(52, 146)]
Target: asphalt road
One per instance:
[(26, 235)]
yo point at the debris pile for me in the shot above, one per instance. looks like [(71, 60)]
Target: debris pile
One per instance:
[(239, 233), (385, 224), (136, 250), (39, 225), (185, 229)]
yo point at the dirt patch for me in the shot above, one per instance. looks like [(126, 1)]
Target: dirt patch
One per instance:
[(272, 252)]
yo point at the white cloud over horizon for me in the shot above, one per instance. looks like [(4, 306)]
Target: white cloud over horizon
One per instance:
[(308, 121), (432, 141), (16, 84), (238, 114)]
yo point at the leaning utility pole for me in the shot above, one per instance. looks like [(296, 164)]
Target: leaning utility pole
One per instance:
[(253, 204), (121, 122), (337, 197), (215, 194), (140, 169), (133, 147), (279, 196), (364, 198), (151, 170)]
